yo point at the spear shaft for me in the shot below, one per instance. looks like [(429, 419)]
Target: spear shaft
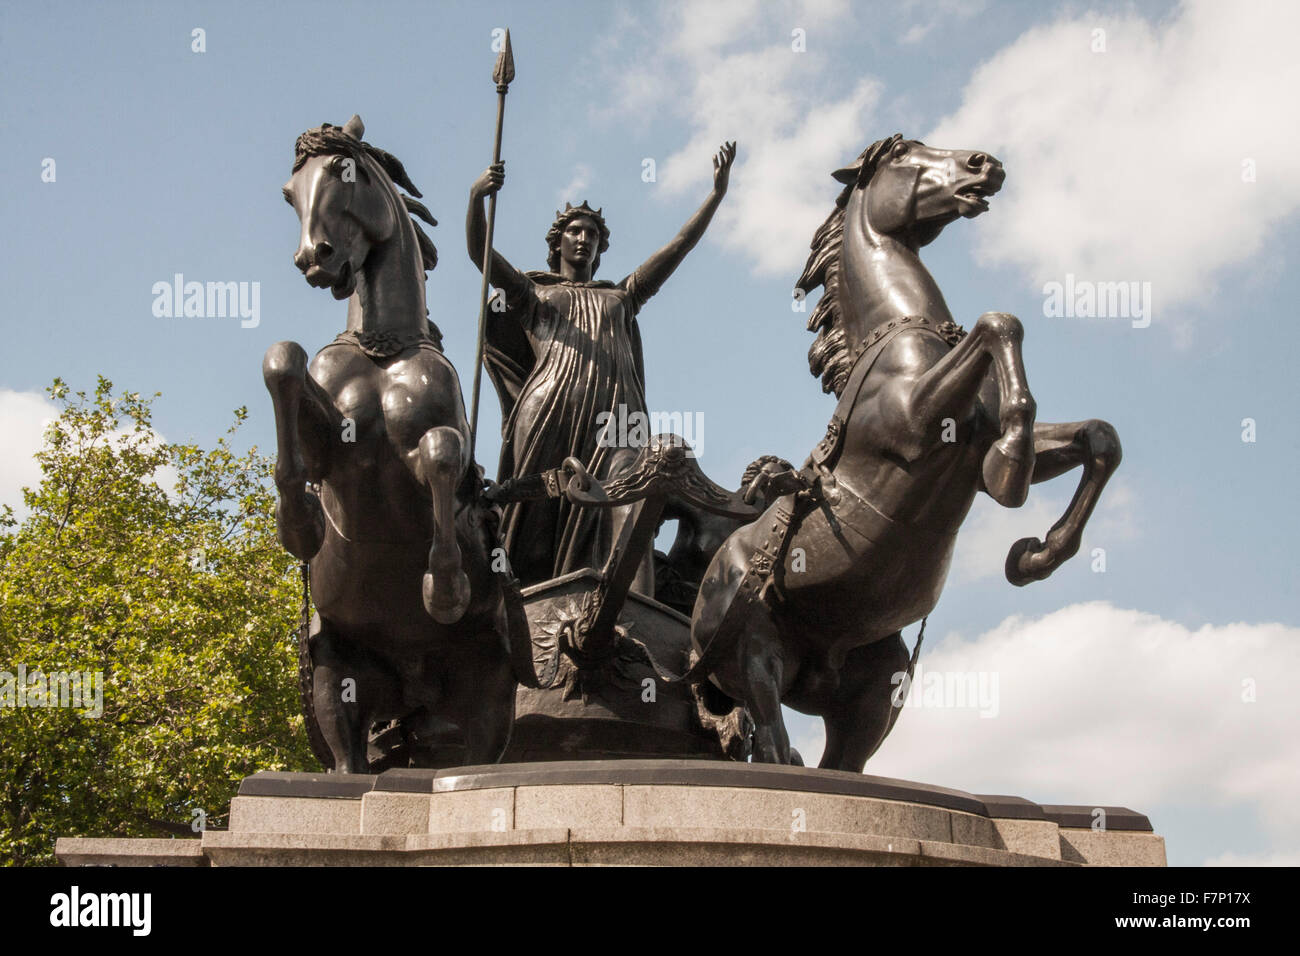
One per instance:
[(503, 73)]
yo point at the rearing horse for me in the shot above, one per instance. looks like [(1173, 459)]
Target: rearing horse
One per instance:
[(928, 416), (412, 622)]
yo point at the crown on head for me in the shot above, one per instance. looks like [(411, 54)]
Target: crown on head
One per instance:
[(570, 209)]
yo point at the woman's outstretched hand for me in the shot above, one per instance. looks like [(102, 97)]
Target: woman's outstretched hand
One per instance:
[(722, 161)]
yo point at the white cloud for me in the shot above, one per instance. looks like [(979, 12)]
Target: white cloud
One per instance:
[(1124, 165), (575, 191), (935, 14), (1127, 165), (1259, 859), (794, 124), (1099, 704), (23, 417)]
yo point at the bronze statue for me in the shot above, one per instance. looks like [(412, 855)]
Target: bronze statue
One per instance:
[(927, 417), (376, 486), (564, 348), (700, 534), (424, 648)]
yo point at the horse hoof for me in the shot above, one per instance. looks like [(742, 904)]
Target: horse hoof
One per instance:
[(450, 608), (1021, 557)]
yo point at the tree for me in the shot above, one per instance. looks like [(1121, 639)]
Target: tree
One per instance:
[(157, 566)]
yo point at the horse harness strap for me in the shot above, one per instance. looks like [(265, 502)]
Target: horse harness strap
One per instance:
[(768, 558), (824, 456), (384, 344), (304, 570), (545, 484), (816, 472)]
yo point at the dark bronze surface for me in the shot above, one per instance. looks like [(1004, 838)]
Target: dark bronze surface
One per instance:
[(885, 491), (701, 532), (376, 487), (564, 348), (608, 699), (424, 648)]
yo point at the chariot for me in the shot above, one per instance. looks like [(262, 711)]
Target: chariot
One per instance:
[(603, 656)]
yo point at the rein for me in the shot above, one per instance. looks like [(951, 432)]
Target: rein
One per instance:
[(304, 568)]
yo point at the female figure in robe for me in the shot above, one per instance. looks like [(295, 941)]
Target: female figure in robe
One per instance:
[(563, 348)]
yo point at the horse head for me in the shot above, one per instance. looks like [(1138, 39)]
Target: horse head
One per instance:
[(898, 195), (344, 191), (911, 191)]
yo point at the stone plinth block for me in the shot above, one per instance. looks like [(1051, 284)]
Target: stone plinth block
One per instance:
[(635, 812)]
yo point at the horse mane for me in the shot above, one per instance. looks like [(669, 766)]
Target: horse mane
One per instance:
[(328, 139), (829, 355)]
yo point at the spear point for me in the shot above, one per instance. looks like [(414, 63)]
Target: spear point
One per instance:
[(504, 71)]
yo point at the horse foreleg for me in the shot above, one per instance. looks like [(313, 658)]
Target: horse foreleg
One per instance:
[(1094, 445), (949, 388), (442, 466), (302, 420)]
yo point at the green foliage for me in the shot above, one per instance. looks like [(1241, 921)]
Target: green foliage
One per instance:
[(157, 564)]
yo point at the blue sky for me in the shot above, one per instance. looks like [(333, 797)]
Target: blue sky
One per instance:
[(1166, 156)]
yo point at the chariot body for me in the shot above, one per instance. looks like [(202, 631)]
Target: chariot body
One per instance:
[(603, 656)]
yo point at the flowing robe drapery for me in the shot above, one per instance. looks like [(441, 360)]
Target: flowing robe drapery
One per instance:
[(560, 353)]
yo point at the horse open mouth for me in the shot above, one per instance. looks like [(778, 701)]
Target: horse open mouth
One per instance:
[(341, 285), (976, 195), (346, 283)]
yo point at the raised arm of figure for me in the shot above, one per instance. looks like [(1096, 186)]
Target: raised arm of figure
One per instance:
[(504, 275), (652, 273)]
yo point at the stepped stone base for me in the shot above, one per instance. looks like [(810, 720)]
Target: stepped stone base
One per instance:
[(634, 812)]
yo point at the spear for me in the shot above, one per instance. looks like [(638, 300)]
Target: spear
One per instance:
[(502, 74)]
